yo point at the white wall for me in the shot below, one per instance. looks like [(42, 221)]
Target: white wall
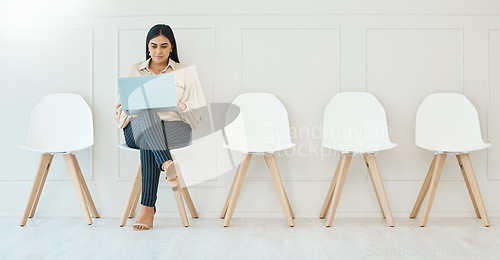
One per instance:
[(303, 52)]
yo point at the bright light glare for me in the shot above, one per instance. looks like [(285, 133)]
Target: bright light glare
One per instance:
[(34, 8)]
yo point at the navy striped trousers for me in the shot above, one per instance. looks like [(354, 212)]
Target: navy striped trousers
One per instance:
[(154, 138)]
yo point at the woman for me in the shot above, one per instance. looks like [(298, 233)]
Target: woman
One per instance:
[(155, 134)]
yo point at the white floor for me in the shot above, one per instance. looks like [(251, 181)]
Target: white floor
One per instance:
[(71, 238)]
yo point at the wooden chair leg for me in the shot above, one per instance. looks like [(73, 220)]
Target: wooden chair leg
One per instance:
[(474, 187), (86, 192), (43, 166), (424, 189), (132, 197), (329, 195), (433, 187), (187, 196), (467, 183), (178, 198), (39, 192), (345, 160), (378, 185), (287, 201), (137, 197), (229, 195), (273, 168), (72, 168), (240, 177), (272, 160), (374, 185), (137, 191)]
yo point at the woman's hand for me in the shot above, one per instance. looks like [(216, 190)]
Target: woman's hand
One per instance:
[(181, 105)]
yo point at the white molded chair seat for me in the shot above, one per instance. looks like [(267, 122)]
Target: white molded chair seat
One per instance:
[(261, 127), (126, 147), (179, 187), (60, 123), (448, 123), (270, 148), (355, 122)]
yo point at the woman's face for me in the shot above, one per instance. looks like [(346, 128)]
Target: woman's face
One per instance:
[(160, 49)]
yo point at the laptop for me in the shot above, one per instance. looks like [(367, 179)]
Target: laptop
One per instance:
[(155, 92)]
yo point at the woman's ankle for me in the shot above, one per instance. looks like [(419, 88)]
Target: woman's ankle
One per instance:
[(147, 207)]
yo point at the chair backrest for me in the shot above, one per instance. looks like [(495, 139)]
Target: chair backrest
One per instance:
[(448, 122), (60, 123), (355, 122), (261, 125)]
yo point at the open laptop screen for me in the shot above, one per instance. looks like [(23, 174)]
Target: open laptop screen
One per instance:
[(148, 92)]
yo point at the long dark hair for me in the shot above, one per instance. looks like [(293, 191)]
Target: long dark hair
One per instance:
[(166, 31)]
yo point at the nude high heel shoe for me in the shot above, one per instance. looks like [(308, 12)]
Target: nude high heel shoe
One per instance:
[(172, 170)]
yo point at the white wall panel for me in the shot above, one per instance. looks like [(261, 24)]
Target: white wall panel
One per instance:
[(403, 66), (301, 67)]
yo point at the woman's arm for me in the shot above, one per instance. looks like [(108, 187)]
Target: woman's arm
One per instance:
[(191, 99), (122, 119)]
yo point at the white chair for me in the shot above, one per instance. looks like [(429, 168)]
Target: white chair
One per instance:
[(447, 123), (178, 187), (261, 127), (60, 124), (355, 122)]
